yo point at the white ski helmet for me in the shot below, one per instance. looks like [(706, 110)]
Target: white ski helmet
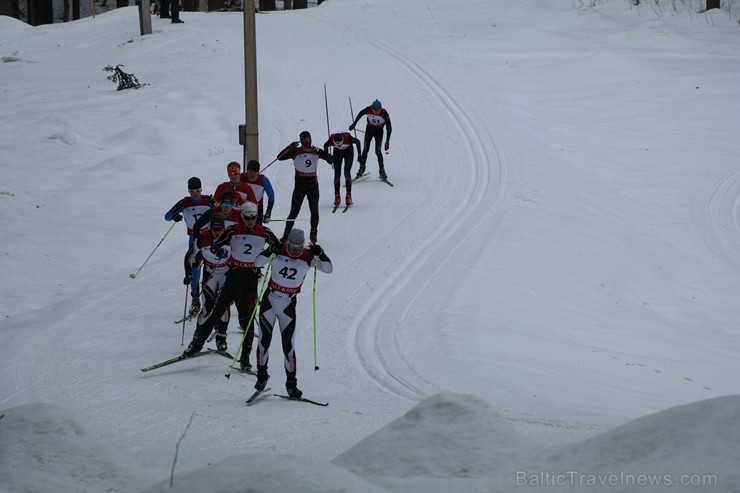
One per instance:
[(248, 210)]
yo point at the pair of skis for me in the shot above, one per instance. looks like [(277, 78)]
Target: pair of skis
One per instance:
[(258, 393), (343, 210), (362, 176), (182, 357), (252, 398)]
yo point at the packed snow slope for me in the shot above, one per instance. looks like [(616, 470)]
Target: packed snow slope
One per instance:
[(561, 242)]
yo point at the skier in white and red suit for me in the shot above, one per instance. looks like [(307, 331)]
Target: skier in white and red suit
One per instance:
[(233, 169), (377, 119), (215, 260), (288, 270), (191, 208), (246, 240), (228, 206), (261, 186), (306, 162), (344, 154)]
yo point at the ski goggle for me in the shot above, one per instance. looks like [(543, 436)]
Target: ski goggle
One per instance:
[(195, 190), (295, 247), (249, 218), (217, 227), (227, 203)]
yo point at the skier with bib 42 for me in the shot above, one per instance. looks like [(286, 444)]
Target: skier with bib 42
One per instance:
[(288, 271)]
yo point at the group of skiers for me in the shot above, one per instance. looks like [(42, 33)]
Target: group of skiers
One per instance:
[(229, 238)]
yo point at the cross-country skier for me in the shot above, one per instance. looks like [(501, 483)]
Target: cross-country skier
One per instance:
[(261, 186), (215, 259), (306, 161), (228, 206), (343, 154), (191, 208), (245, 240), (377, 118), (289, 268), (233, 169)]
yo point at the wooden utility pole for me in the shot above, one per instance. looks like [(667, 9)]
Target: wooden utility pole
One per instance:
[(145, 17), (251, 137)]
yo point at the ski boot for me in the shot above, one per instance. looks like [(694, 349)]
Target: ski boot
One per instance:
[(221, 345), (192, 348), (291, 386), (262, 378), (348, 199), (383, 176), (337, 199)]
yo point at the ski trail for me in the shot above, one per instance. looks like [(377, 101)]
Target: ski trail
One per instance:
[(379, 323), (722, 232)]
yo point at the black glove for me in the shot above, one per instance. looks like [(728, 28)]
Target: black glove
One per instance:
[(315, 250), (187, 279), (222, 253), (177, 218), (294, 144), (387, 145), (275, 248), (352, 126), (266, 219)]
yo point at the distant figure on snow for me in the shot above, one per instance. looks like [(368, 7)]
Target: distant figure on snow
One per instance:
[(343, 154), (377, 119)]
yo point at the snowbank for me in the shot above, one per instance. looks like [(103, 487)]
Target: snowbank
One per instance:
[(448, 442)]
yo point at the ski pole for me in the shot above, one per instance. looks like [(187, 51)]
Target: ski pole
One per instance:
[(251, 317), (352, 114), (133, 276), (184, 315), (274, 160), (315, 356), (326, 107), (283, 220)]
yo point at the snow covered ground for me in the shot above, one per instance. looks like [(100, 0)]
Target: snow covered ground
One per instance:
[(545, 300)]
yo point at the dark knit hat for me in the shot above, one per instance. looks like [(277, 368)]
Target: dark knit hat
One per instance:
[(305, 133), (194, 183), (253, 165), (218, 220), (228, 196)]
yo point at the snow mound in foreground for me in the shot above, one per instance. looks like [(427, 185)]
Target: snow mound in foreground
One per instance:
[(448, 442), (267, 474), (694, 447), (44, 449), (453, 442)]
